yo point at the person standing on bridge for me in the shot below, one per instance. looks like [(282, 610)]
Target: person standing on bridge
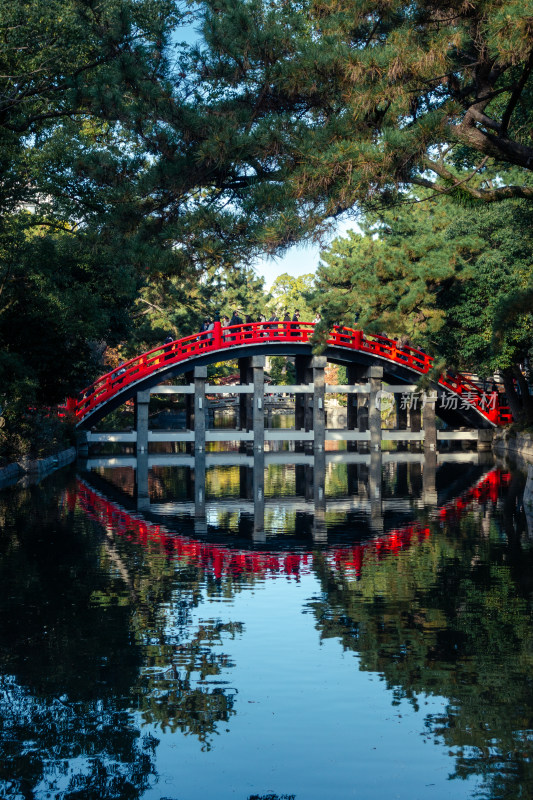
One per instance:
[(203, 331), (235, 320), (272, 323), (296, 328), (168, 341)]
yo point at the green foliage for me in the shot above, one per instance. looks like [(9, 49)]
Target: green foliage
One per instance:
[(178, 306), (389, 278), (282, 371), (61, 296), (346, 103), (289, 294), (489, 320), (449, 280)]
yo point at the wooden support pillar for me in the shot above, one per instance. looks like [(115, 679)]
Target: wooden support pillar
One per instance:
[(429, 474), (319, 479), (142, 404), (301, 399), (415, 479), (430, 423), (199, 485), (200, 375), (362, 419), (258, 414), (415, 419), (374, 488), (245, 400), (189, 411), (353, 375), (401, 419), (484, 440), (142, 495), (375, 376), (352, 478), (402, 484), (301, 479), (246, 489), (309, 489), (259, 496), (309, 399), (319, 404), (320, 532)]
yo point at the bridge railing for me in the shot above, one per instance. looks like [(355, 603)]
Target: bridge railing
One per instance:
[(134, 370)]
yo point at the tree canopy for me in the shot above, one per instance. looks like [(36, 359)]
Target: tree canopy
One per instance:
[(453, 283), (353, 101)]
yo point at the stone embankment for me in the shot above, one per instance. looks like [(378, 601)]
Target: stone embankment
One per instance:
[(528, 491), (36, 468), (511, 443)]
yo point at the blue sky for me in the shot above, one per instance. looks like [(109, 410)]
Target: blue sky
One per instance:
[(300, 259)]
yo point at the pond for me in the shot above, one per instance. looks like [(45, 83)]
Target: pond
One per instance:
[(378, 644)]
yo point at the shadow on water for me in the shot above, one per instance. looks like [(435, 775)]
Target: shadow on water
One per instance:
[(101, 645)]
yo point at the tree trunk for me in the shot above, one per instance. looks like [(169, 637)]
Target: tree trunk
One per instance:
[(512, 396), (525, 397)]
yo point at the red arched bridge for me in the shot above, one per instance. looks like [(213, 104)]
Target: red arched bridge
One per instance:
[(346, 346)]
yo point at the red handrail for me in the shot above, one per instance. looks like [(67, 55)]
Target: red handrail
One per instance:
[(249, 333)]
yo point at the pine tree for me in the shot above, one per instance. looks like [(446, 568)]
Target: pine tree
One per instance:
[(450, 281)]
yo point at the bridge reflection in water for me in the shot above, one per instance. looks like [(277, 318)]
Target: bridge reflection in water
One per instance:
[(232, 558), (283, 498)]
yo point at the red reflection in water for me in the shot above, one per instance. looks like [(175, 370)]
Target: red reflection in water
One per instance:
[(220, 561)]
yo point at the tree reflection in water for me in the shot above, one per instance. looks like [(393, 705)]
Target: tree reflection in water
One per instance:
[(91, 633), (451, 617), (99, 635)]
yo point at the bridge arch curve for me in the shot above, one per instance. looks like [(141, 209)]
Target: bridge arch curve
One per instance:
[(344, 346)]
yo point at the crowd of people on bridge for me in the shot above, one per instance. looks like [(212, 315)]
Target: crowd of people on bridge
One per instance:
[(266, 324)]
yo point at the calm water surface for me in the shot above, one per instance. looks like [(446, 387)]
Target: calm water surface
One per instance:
[(385, 653)]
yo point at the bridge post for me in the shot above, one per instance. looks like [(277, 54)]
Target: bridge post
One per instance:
[(484, 439), (430, 423), (352, 478), (401, 419), (320, 532), (375, 376), (200, 375), (189, 410), (429, 488), (142, 404), (319, 404), (415, 479), (352, 375), (259, 496), (142, 496), (258, 414), (246, 410), (374, 489), (301, 412), (415, 419), (199, 486)]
